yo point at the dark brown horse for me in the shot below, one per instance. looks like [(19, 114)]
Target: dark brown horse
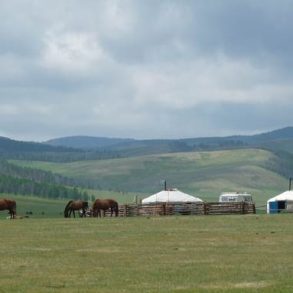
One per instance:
[(75, 205), (10, 205), (105, 204)]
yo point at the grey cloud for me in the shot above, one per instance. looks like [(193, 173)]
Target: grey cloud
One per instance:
[(144, 68)]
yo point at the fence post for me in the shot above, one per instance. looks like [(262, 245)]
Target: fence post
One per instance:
[(243, 207), (205, 208), (164, 209), (125, 210)]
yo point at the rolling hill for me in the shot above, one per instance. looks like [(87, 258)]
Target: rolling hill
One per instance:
[(86, 142), (165, 145), (205, 174), (68, 149), (276, 141), (260, 164)]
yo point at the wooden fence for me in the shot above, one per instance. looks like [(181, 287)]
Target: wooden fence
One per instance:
[(168, 209)]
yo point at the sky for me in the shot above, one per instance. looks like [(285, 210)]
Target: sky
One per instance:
[(144, 69)]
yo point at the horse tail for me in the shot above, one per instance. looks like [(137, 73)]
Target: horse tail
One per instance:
[(66, 210)]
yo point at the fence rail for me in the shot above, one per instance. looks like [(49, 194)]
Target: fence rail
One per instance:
[(168, 209)]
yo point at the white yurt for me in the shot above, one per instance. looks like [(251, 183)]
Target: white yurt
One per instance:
[(170, 195), (281, 202)]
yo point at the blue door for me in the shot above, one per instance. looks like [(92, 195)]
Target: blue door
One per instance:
[(273, 207)]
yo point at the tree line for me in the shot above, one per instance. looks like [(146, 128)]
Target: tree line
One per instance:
[(29, 181), (22, 186), (37, 175)]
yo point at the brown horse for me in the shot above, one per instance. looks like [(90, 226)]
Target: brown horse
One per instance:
[(105, 204), (10, 205), (75, 205)]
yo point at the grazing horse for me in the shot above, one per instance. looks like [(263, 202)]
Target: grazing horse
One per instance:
[(105, 204), (10, 205), (75, 205)]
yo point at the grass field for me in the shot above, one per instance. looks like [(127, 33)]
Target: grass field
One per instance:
[(161, 254), (36, 207), (203, 174)]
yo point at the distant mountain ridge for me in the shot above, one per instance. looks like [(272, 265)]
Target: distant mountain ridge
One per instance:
[(76, 148), (186, 144), (23, 150), (86, 142), (11, 145)]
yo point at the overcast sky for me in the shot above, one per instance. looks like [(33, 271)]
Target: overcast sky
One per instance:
[(145, 69)]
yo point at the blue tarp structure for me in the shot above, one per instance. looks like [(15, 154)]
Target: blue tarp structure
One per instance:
[(280, 203)]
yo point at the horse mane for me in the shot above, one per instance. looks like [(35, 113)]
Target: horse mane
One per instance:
[(66, 210)]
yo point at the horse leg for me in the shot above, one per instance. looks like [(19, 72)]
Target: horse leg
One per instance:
[(13, 214), (73, 213)]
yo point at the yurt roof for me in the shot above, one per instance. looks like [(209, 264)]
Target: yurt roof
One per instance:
[(287, 195), (171, 195)]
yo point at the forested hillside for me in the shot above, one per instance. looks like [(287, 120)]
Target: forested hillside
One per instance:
[(94, 148), (131, 147), (205, 174), (29, 181), (20, 150), (207, 166)]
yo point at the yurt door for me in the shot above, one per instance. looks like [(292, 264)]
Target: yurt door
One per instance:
[(281, 205), (273, 207)]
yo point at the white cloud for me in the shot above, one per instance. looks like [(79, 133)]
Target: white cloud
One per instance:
[(71, 52), (204, 80), (7, 110)]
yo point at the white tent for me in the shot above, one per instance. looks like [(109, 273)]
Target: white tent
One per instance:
[(283, 201), (171, 195)]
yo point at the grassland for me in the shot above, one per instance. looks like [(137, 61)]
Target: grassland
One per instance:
[(36, 207), (204, 174), (161, 254)]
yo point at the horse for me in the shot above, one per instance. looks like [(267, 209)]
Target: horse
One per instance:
[(105, 204), (10, 205), (75, 205)]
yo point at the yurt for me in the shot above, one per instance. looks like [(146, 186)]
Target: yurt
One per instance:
[(172, 196), (281, 203)]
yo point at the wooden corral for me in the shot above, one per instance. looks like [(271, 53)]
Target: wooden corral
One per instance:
[(169, 209)]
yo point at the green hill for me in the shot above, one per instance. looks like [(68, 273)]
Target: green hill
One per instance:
[(78, 148), (132, 147), (86, 142), (205, 167), (205, 174)]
